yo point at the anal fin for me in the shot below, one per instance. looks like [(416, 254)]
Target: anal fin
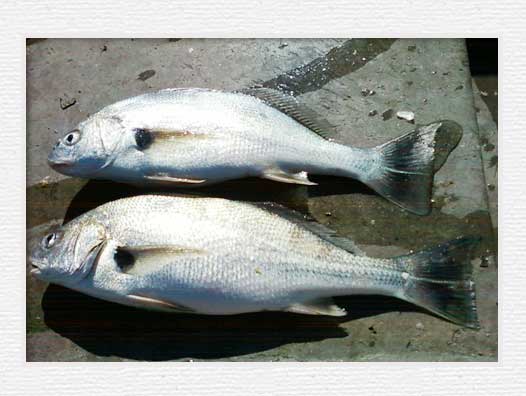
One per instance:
[(286, 177), (322, 306)]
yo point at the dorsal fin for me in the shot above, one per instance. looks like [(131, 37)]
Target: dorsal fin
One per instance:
[(312, 225), (290, 106)]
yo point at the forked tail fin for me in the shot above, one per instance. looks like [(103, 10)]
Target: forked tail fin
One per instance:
[(439, 280), (405, 173)]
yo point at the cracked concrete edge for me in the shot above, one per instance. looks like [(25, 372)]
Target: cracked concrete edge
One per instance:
[(472, 160), (488, 134)]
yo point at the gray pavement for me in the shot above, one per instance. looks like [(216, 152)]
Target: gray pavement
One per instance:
[(358, 85)]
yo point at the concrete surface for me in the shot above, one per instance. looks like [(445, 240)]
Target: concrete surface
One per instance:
[(486, 107), (352, 83)]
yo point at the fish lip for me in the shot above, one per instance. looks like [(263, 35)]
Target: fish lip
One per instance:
[(59, 164), (35, 269)]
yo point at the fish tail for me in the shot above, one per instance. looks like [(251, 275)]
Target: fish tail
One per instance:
[(439, 280), (404, 172)]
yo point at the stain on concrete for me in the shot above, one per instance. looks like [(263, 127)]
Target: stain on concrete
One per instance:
[(493, 161), (387, 114), (145, 75), (66, 102), (447, 138), (489, 147), (342, 60)]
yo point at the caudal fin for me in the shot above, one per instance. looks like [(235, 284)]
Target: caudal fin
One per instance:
[(439, 280), (405, 169)]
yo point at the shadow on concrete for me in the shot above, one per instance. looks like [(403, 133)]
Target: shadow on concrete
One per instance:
[(108, 329), (97, 192)]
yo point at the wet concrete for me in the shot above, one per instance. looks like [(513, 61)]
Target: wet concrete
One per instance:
[(66, 325), (338, 62)]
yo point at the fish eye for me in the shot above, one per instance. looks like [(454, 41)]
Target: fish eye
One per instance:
[(72, 138), (49, 240)]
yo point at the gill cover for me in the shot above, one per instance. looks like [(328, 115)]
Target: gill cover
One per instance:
[(104, 134), (89, 148), (86, 246)]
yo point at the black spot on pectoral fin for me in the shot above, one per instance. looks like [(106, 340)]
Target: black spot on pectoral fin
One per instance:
[(143, 138), (124, 260)]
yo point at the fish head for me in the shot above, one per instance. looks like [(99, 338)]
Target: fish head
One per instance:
[(67, 254), (88, 148)]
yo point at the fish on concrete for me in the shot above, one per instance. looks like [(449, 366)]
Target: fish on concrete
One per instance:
[(193, 137), (220, 257)]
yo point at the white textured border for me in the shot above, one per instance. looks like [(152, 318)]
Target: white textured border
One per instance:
[(270, 18)]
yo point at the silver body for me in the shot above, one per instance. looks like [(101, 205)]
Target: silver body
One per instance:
[(208, 136), (229, 257)]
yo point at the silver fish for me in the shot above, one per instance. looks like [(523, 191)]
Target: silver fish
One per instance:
[(220, 257), (194, 137)]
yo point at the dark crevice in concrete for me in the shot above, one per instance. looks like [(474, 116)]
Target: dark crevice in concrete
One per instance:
[(339, 61)]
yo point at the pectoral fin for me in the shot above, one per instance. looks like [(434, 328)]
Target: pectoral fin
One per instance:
[(156, 304), (285, 177), (146, 137), (322, 306), (164, 177), (144, 260)]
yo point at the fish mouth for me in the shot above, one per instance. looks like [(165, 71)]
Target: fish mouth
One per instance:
[(59, 164), (35, 269)]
